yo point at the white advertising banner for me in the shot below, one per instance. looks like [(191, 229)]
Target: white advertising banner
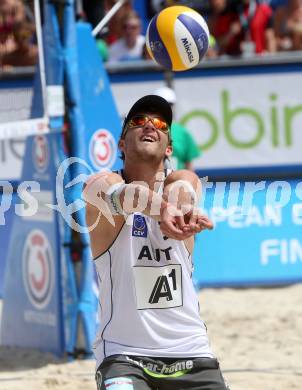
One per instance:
[(11, 158), (240, 121), (12, 144)]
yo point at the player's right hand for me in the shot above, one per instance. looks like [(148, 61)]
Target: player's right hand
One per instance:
[(178, 226)]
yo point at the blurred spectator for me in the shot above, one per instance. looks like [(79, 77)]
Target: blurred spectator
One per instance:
[(288, 25), (131, 45), (257, 27), (16, 33), (155, 6), (11, 13), (242, 27), (277, 3), (94, 11), (25, 53), (185, 149), (115, 30), (225, 27), (212, 50), (103, 49)]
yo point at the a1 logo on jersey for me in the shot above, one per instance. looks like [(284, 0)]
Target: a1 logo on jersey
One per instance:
[(139, 227), (158, 287)]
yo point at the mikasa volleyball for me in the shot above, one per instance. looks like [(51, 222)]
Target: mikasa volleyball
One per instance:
[(177, 38)]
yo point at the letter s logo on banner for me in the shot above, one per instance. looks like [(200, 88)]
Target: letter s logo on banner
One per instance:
[(40, 153), (38, 269), (102, 149)]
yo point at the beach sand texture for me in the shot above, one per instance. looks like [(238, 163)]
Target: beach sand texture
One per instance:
[(256, 334)]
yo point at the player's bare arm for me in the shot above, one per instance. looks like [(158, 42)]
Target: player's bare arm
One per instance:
[(102, 223), (183, 190), (110, 200)]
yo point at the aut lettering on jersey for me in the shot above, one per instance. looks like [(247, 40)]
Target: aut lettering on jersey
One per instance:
[(139, 227), (156, 254)]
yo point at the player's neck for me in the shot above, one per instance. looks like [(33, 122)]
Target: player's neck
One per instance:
[(143, 172)]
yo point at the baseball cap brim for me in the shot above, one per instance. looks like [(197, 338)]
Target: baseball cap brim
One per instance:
[(153, 104)]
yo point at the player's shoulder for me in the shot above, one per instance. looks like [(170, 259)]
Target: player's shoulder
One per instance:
[(103, 174), (110, 177), (180, 174)]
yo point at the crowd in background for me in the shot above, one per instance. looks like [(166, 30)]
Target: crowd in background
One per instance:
[(237, 28), (18, 45)]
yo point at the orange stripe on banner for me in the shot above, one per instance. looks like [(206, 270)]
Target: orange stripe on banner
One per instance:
[(165, 24)]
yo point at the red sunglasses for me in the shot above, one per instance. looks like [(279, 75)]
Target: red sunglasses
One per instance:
[(141, 120)]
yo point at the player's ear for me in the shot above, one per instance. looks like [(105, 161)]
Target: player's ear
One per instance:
[(121, 144), (169, 150)]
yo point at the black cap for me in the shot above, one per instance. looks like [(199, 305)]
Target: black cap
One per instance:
[(151, 103)]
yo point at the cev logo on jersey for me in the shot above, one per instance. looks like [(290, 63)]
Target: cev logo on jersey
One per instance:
[(102, 149), (38, 269), (139, 227), (40, 153)]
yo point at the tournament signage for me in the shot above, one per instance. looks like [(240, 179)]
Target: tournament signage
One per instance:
[(11, 158), (32, 282), (40, 150), (38, 269), (102, 149), (257, 237), (243, 119), (7, 200), (21, 115), (100, 118)]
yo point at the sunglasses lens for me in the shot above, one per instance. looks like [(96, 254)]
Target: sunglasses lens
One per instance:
[(138, 121), (160, 124)]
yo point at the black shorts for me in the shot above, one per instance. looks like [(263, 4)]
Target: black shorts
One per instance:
[(121, 372)]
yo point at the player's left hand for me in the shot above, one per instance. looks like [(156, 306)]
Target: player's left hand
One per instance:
[(196, 222)]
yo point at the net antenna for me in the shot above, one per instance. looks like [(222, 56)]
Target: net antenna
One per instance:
[(41, 52), (106, 19), (15, 119)]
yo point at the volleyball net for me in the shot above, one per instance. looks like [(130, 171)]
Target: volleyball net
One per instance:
[(23, 110), (22, 70), (44, 294)]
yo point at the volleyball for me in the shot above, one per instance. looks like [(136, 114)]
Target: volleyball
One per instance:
[(177, 38)]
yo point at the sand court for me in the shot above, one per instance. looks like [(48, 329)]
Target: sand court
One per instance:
[(256, 334)]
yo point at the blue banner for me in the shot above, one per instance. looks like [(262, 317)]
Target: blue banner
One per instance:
[(32, 310), (101, 119), (257, 237), (95, 128), (7, 202)]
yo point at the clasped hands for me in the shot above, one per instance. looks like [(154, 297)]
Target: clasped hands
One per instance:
[(180, 224)]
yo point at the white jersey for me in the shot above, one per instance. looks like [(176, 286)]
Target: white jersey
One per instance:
[(148, 305)]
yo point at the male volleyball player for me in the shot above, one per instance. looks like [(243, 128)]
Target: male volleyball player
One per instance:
[(151, 334)]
